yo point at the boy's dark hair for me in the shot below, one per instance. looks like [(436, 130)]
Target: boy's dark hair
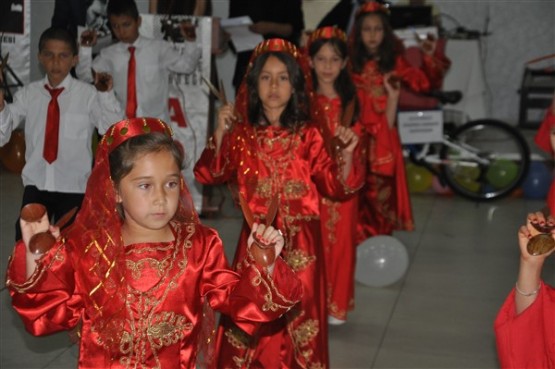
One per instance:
[(60, 34), (295, 113), (387, 50), (123, 158), (343, 84), (122, 7)]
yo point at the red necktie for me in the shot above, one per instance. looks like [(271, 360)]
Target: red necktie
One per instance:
[(131, 109), (50, 151)]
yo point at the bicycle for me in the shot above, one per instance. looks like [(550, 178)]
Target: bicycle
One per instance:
[(480, 160)]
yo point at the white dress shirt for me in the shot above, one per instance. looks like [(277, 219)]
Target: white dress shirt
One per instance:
[(82, 108), (154, 60)]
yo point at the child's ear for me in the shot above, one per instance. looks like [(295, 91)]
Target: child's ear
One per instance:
[(139, 21), (310, 63)]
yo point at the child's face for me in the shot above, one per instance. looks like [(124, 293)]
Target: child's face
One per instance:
[(274, 86), (372, 32), (125, 28), (149, 194), (327, 64), (57, 59)]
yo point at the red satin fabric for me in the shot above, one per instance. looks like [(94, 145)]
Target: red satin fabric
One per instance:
[(543, 140), (262, 162), (131, 107), (167, 284), (385, 202), (527, 340), (338, 220), (51, 137)]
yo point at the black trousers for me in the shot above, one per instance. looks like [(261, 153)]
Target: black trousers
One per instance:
[(56, 203)]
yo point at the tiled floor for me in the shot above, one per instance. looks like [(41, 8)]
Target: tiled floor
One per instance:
[(463, 262)]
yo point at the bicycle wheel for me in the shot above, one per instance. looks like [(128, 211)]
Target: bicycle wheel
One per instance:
[(484, 159)]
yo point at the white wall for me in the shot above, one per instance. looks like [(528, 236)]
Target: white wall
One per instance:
[(520, 31)]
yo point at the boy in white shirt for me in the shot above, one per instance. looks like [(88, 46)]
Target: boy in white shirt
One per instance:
[(149, 61), (60, 115)]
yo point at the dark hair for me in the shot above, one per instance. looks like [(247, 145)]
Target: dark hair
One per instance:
[(387, 50), (123, 158), (296, 112), (343, 84), (122, 7), (60, 34)]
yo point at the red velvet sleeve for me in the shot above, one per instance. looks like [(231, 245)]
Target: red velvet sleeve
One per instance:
[(212, 168), (47, 302), (252, 297), (527, 340), (413, 77), (543, 136), (435, 66)]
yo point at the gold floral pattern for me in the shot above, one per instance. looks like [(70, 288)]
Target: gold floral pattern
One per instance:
[(299, 259), (295, 189), (136, 267)]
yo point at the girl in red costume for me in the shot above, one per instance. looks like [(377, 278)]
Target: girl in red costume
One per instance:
[(545, 139), (378, 70), (525, 325), (334, 102), (269, 149), (137, 270)]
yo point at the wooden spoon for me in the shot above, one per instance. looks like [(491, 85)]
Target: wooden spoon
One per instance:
[(43, 241)]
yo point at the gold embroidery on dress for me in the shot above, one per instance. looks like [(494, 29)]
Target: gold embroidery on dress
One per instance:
[(298, 259), (136, 267), (144, 330), (264, 188), (331, 223), (305, 332), (168, 328), (295, 189)]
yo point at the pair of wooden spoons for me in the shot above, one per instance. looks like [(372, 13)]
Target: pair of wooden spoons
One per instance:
[(43, 241)]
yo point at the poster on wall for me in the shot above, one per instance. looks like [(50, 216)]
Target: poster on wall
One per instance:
[(15, 44), (188, 99)]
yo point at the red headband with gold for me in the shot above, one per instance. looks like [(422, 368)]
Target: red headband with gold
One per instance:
[(325, 33), (372, 7), (128, 128), (276, 45)]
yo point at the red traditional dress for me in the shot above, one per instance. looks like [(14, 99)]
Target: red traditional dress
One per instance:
[(265, 161), (543, 140), (338, 224), (142, 305), (385, 203), (527, 340)]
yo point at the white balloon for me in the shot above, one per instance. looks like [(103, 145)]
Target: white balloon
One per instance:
[(381, 261)]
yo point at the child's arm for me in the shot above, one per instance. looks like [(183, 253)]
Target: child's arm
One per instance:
[(42, 286), (393, 91), (12, 114), (105, 108), (217, 162), (179, 61), (83, 69), (529, 276), (252, 296), (349, 138)]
